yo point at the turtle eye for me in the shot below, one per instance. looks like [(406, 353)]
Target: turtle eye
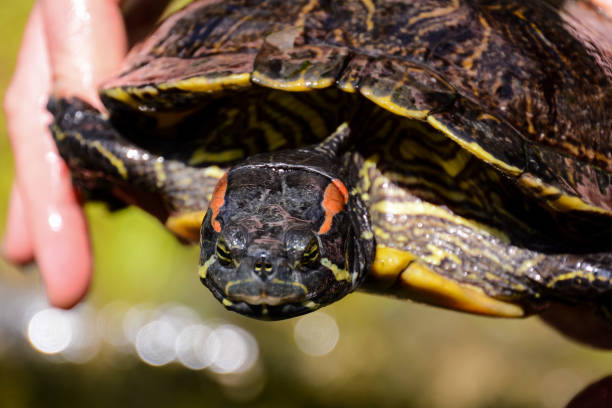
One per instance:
[(311, 253), (223, 253)]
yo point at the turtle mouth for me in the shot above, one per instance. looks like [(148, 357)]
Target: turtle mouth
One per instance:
[(265, 311), (265, 299), (265, 293)]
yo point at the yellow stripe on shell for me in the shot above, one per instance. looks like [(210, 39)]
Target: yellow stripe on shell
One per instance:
[(386, 103), (419, 283), (125, 95), (347, 87), (474, 148), (297, 85), (565, 202), (186, 225), (208, 85)]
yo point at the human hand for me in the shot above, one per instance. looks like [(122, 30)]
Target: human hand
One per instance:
[(67, 48)]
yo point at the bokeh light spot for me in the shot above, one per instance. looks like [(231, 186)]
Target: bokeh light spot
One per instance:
[(155, 343), (192, 349), (237, 350), (50, 331), (316, 334)]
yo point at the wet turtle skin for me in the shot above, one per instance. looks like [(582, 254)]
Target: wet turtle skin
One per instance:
[(451, 152)]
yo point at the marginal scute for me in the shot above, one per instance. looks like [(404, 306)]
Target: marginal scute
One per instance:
[(298, 69)]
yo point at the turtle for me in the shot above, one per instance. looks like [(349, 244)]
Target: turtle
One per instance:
[(452, 152)]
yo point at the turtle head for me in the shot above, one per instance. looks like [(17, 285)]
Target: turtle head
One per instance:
[(278, 239)]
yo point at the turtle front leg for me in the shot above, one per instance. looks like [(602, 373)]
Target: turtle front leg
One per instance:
[(104, 165)]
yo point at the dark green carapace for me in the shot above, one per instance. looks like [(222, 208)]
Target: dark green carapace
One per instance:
[(456, 152)]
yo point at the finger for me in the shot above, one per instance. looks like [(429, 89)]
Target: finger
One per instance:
[(86, 41), (17, 242), (604, 5), (55, 219)]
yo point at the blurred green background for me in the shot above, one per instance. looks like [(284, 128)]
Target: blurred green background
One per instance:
[(368, 351)]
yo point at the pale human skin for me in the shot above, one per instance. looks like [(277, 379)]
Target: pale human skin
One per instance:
[(68, 47)]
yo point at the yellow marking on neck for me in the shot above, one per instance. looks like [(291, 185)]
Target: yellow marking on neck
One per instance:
[(419, 283), (304, 110), (58, 133), (214, 172), (203, 269), (274, 139), (186, 225), (160, 174), (367, 235), (410, 148), (369, 5), (114, 160), (227, 302), (339, 274), (203, 156), (577, 274), (364, 172), (438, 255), (414, 208), (529, 264), (474, 148)]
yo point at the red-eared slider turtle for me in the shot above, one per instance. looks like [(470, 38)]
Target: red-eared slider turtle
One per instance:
[(456, 152)]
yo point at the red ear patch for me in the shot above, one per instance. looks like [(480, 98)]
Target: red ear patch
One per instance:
[(335, 198), (218, 198)]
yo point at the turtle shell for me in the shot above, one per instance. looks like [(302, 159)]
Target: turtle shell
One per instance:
[(484, 142), (509, 82)]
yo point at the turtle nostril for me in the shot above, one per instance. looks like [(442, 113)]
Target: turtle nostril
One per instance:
[(263, 267)]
